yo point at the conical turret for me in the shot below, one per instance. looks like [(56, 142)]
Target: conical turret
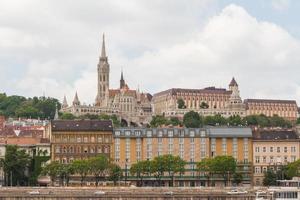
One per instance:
[(65, 103), (76, 101)]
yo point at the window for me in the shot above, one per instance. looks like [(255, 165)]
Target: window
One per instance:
[(78, 139), (271, 159), (192, 140), (100, 139), (213, 147), (264, 159), (257, 170), (149, 148), (285, 159), (85, 139), (257, 159), (181, 133), (192, 133), (149, 133), (224, 146), (99, 149), (170, 133), (117, 149), (127, 133), (127, 149), (293, 158), (170, 146), (106, 149), (234, 148), (285, 150), (293, 149), (264, 149), (117, 133), (246, 149), (137, 133), (202, 133), (257, 149), (57, 149), (92, 139), (271, 149), (278, 149), (160, 133)]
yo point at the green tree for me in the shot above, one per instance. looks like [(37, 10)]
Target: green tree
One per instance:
[(157, 168), (141, 169), (98, 167), (293, 169), (224, 166), (89, 116), (180, 103), (68, 116), (192, 120), (15, 163), (298, 121), (269, 178), (82, 168), (174, 121), (173, 165), (204, 168), (52, 170), (204, 105), (157, 121), (235, 120), (237, 178), (251, 120), (215, 120), (64, 173), (115, 173), (263, 121)]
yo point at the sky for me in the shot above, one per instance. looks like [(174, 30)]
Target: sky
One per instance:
[(52, 47)]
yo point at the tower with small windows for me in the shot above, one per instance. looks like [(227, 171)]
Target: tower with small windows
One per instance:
[(103, 79)]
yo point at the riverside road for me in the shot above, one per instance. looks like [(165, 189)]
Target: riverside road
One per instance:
[(114, 193)]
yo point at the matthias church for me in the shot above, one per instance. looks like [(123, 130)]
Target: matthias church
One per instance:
[(131, 106)]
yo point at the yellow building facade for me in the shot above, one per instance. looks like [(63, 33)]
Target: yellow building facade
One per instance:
[(192, 145)]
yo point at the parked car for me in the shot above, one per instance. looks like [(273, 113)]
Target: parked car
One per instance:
[(237, 192), (35, 192), (99, 192), (169, 193)]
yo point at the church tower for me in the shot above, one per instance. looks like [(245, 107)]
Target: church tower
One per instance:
[(103, 79), (235, 101), (122, 81)]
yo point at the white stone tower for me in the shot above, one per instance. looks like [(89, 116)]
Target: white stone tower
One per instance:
[(103, 79), (235, 101)]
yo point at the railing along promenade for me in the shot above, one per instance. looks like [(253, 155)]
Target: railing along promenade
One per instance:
[(124, 193)]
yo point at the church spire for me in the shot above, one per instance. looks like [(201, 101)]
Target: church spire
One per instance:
[(103, 52), (65, 103), (122, 81), (76, 101)]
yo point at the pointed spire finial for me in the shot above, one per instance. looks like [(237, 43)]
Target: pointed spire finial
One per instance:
[(103, 53), (65, 103), (122, 78), (76, 100)]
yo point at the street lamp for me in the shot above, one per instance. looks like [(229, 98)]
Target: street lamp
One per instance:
[(126, 171)]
